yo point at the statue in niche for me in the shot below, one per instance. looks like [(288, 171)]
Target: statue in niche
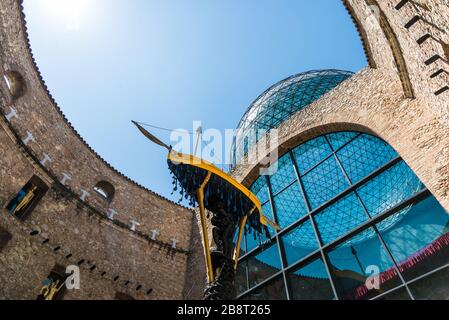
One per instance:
[(54, 286), (27, 198), (22, 200), (50, 289)]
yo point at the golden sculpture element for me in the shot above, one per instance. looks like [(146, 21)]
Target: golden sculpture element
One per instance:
[(50, 290), (26, 200)]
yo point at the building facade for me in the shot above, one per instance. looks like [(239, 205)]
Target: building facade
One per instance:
[(62, 205), (360, 183), (382, 133)]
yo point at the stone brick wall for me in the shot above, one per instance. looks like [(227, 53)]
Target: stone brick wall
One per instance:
[(113, 258)]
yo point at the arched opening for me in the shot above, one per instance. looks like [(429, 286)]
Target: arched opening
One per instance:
[(15, 83), (356, 223), (105, 189)]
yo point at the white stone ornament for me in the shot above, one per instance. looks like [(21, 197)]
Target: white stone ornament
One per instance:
[(65, 177), (11, 114), (174, 242), (84, 194), (46, 159), (154, 234), (133, 224), (111, 214), (28, 138)]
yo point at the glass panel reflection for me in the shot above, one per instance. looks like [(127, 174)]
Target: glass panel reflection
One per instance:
[(324, 182), (362, 268), (299, 242), (284, 175), (290, 205), (263, 265), (310, 283), (340, 218), (418, 237), (260, 189), (364, 155), (311, 153), (389, 188), (339, 139)]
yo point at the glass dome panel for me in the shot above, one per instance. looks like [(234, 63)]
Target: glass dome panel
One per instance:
[(280, 102)]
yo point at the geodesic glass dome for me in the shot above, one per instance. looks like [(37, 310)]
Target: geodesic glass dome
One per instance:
[(280, 102)]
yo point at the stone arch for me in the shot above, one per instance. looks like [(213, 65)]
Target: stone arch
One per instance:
[(105, 189)]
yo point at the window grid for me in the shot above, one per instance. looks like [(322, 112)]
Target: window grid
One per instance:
[(376, 230), (279, 243), (324, 249), (314, 226), (420, 196)]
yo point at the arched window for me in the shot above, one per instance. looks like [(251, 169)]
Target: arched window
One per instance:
[(349, 208), (15, 83), (105, 189)]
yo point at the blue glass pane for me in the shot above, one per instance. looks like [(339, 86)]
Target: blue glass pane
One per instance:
[(260, 189), (389, 188), (337, 140), (353, 262), (267, 211), (264, 265), (300, 242), (418, 237), (284, 175), (340, 218), (289, 205), (310, 283), (324, 182), (311, 153), (364, 155)]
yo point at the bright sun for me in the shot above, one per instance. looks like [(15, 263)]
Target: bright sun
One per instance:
[(70, 11)]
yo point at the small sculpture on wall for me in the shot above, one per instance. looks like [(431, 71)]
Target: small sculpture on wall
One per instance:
[(50, 289), (27, 198)]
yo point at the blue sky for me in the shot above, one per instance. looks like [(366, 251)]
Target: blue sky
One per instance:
[(172, 62)]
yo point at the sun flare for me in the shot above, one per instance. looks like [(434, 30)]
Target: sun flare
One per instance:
[(69, 11)]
